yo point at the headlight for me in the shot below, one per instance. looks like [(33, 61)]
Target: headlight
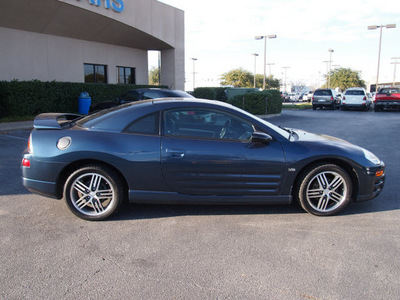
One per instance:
[(371, 157)]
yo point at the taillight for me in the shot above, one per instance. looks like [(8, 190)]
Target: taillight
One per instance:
[(344, 98), (331, 98), (30, 147), (365, 98), (26, 163), (312, 98)]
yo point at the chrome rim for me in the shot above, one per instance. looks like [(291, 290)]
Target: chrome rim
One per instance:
[(326, 191), (92, 194)]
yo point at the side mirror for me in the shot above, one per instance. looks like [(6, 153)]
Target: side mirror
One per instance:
[(260, 137)]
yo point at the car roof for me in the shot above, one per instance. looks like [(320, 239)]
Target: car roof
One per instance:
[(115, 118)]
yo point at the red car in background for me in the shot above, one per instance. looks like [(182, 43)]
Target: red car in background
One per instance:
[(387, 98)]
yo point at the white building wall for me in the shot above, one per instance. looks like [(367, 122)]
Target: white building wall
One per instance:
[(27, 55)]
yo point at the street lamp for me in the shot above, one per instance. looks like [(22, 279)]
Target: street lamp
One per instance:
[(285, 77), (394, 73), (255, 64), (330, 64), (373, 27), (269, 77), (265, 37), (194, 73), (270, 64)]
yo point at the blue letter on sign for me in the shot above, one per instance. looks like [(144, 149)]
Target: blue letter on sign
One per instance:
[(118, 5)]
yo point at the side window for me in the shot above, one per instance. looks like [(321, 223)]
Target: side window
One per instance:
[(148, 125), (207, 124)]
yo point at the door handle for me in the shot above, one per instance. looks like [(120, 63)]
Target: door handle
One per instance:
[(176, 153)]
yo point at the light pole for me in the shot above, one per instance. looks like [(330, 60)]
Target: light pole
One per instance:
[(270, 64), (269, 77), (394, 73), (285, 77), (330, 64), (255, 64), (194, 73), (373, 27), (265, 37)]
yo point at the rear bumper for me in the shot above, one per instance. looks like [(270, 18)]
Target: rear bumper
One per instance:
[(48, 189), (355, 106), (388, 104)]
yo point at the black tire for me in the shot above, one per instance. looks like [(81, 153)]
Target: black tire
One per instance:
[(377, 108), (314, 107), (94, 192), (324, 190)]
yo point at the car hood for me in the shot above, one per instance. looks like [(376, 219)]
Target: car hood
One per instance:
[(304, 136)]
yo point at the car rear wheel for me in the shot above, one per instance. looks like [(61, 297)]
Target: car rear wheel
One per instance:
[(324, 190), (93, 192)]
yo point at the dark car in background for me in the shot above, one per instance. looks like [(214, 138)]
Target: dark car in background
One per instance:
[(192, 151), (387, 98), (325, 98), (140, 94)]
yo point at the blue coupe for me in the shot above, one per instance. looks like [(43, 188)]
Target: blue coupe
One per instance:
[(191, 151)]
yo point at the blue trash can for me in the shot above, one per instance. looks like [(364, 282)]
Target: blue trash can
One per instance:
[(84, 103)]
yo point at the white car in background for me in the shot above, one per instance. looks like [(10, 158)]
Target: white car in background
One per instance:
[(356, 98)]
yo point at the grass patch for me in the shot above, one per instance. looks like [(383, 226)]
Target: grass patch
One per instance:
[(296, 106), (16, 119)]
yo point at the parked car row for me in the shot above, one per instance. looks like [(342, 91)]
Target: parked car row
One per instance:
[(357, 98)]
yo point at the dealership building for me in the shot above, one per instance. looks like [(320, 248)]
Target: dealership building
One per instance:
[(101, 41)]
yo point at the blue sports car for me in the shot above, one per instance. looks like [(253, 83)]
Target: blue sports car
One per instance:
[(191, 151)]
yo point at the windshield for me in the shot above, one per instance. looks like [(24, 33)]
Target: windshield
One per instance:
[(83, 121)]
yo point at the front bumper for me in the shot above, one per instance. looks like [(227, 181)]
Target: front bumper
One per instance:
[(370, 185)]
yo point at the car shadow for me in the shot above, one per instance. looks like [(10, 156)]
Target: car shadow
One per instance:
[(154, 211)]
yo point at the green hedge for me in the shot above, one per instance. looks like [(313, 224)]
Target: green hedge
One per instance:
[(212, 93), (29, 98), (259, 103)]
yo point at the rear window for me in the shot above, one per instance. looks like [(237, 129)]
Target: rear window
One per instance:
[(355, 93), (389, 91), (323, 93)]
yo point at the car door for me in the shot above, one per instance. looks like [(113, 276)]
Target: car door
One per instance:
[(209, 153)]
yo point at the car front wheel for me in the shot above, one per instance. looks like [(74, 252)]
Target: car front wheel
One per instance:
[(93, 192), (324, 190)]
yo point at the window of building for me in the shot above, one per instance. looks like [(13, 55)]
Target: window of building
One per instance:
[(95, 73), (126, 75)]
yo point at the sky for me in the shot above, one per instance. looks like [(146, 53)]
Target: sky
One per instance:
[(221, 35)]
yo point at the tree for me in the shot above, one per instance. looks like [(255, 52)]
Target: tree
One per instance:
[(344, 78), (154, 76), (238, 78), (245, 79)]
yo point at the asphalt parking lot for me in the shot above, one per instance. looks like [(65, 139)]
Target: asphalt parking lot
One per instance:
[(208, 252)]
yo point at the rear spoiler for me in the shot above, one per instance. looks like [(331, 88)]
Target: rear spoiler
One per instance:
[(54, 120)]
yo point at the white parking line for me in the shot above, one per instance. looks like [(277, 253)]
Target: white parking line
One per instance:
[(14, 137)]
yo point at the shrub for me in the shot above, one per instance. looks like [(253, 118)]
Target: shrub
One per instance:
[(259, 103), (211, 93), (22, 98)]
